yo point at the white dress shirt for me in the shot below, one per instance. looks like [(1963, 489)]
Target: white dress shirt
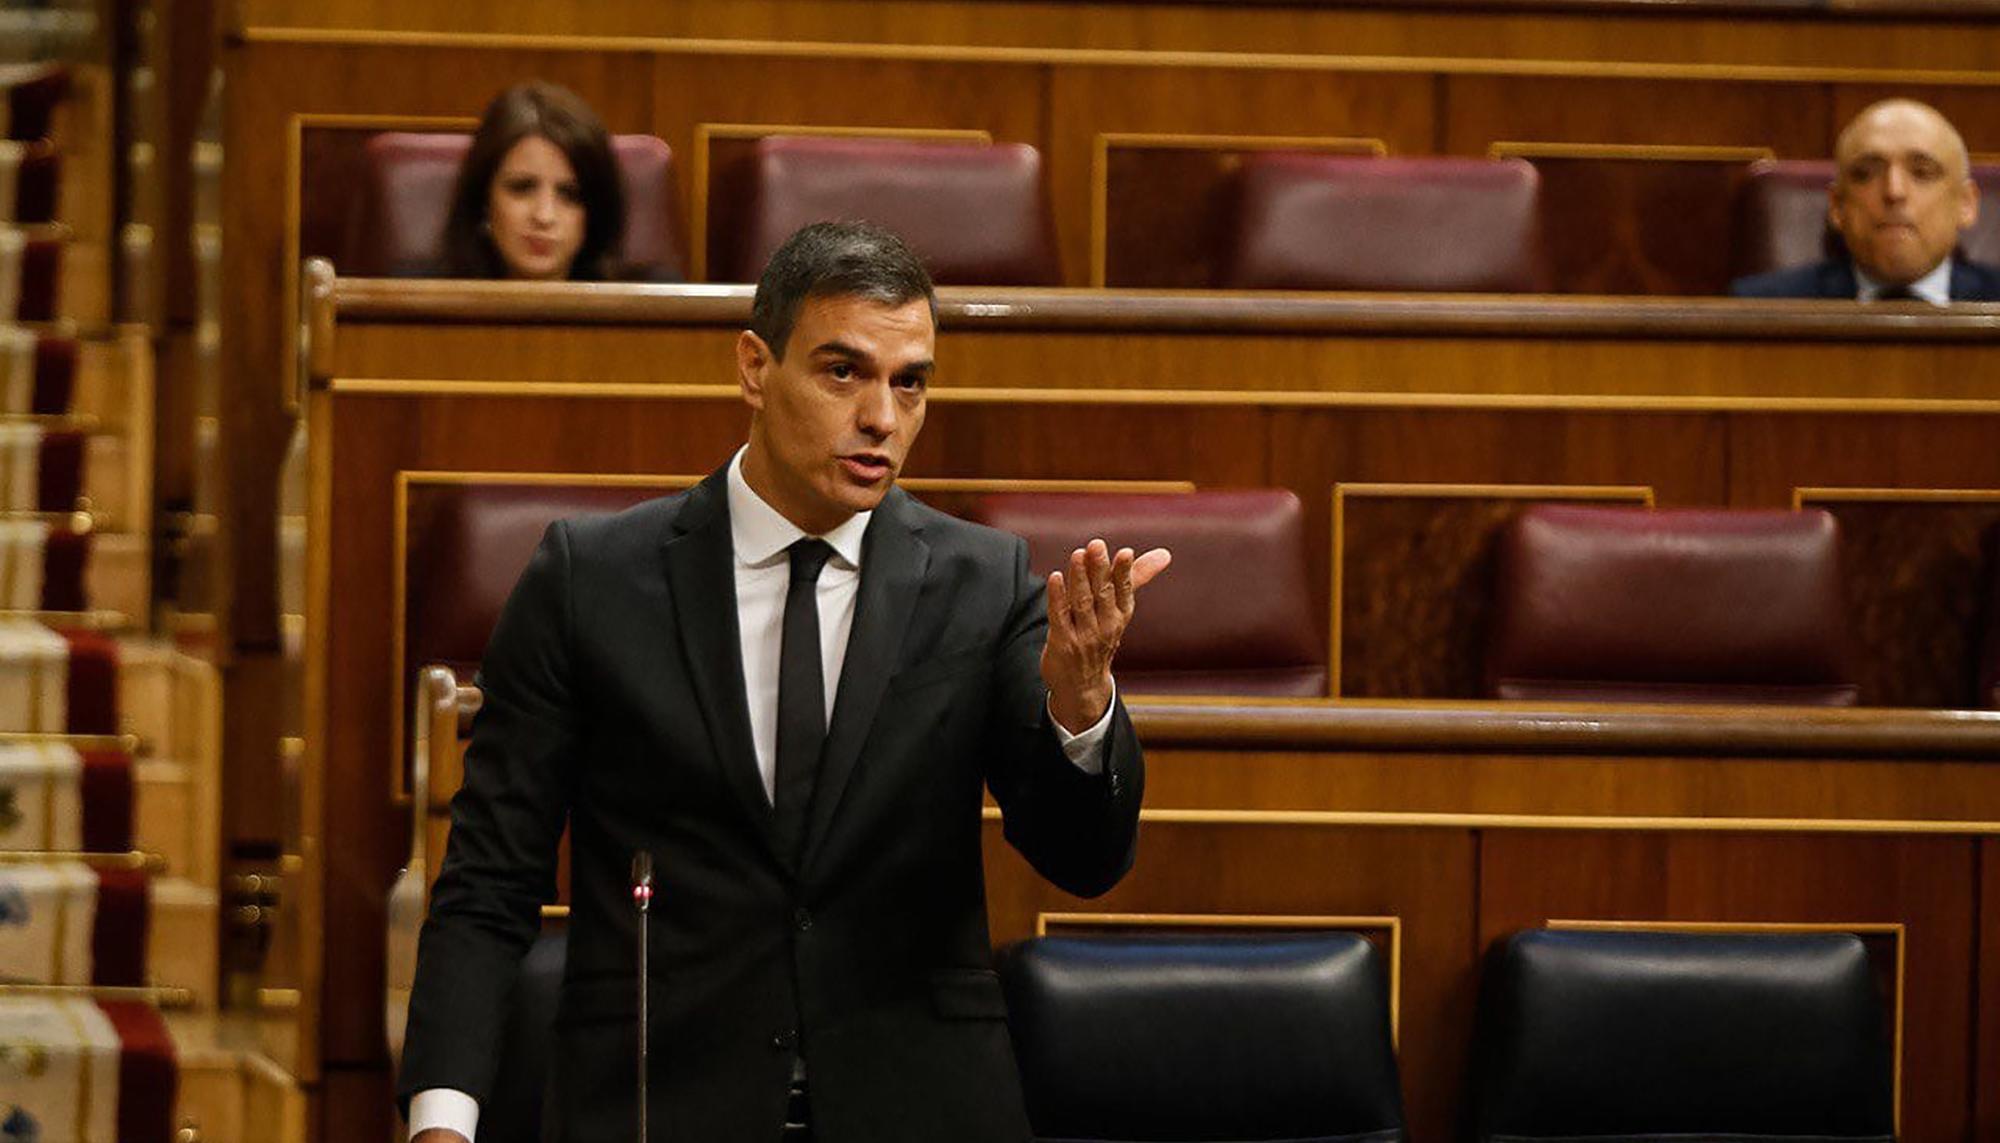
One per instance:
[(1934, 287), (762, 539)]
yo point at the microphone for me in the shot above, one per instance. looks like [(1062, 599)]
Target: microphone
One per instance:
[(642, 901)]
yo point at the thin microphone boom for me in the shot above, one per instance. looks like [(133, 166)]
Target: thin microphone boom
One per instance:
[(642, 900)]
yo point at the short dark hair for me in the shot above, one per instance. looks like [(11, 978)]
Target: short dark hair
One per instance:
[(537, 108), (835, 259)]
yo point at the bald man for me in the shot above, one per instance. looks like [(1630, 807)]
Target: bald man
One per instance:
[(1901, 196)]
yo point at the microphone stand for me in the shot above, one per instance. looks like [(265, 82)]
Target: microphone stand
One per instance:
[(642, 900)]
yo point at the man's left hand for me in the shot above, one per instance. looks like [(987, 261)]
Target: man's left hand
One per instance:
[(1090, 605)]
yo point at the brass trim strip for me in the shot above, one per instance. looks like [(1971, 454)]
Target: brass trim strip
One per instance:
[(166, 996), (1129, 57), (1565, 823), (1802, 496), (129, 743), (135, 860), (1649, 152), (96, 620), (1276, 398)]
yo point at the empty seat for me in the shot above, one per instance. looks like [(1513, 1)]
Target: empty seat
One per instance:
[(1232, 616), (1335, 222), (33, 92), (468, 543), (1781, 217), (1638, 1036), (1246, 1038), (975, 213), (1625, 604), (398, 219)]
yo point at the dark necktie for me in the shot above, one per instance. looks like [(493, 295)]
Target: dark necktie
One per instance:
[(1897, 294), (801, 697)]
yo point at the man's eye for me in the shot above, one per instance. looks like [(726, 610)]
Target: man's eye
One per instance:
[(840, 370), (911, 382)]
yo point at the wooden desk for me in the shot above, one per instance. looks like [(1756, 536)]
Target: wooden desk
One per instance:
[(1458, 821)]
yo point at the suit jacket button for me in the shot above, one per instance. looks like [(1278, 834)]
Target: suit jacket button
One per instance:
[(785, 1041), (801, 919)]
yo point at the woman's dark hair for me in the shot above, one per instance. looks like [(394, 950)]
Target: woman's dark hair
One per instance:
[(558, 115)]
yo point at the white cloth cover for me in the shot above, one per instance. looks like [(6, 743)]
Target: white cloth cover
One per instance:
[(12, 244), (41, 798), (11, 153), (47, 914), (34, 678), (58, 1070), (20, 467), (23, 561), (17, 370)]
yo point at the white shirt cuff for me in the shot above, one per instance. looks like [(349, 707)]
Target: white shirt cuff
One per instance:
[(446, 1108), (1086, 750)]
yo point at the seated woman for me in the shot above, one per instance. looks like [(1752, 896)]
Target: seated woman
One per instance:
[(539, 196)]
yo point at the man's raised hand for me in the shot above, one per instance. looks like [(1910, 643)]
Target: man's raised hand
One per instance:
[(1090, 605)]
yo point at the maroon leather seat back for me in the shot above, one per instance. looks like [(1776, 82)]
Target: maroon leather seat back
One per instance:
[(33, 92), (1341, 222), (1988, 694), (1781, 217), (1231, 616), (975, 213), (398, 219), (468, 543), (1625, 604)]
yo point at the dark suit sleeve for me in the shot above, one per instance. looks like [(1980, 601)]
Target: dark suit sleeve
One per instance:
[(506, 823), (1079, 830)]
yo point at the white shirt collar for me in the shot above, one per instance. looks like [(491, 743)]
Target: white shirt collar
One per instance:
[(760, 534), (1934, 287)]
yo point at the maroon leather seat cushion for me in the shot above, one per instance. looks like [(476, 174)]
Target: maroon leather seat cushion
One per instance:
[(1339, 222), (36, 185), (1623, 604), (1231, 616), (398, 219), (1781, 217), (41, 279), (467, 545), (55, 373), (33, 93), (975, 213)]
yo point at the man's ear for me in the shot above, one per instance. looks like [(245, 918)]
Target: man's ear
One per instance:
[(753, 366), (1968, 205)]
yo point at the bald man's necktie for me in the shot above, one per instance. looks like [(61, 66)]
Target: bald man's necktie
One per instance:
[(1896, 294), (801, 697)]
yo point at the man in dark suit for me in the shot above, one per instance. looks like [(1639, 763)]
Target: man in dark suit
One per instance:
[(788, 685), (1901, 196)]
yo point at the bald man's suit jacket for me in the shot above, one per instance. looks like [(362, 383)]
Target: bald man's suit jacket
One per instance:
[(1834, 279), (614, 702)]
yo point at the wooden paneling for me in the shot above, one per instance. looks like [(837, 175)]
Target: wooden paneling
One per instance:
[(1792, 119), (1162, 204), (1413, 577), (1617, 220), (1985, 995), (1527, 878), (1918, 572), (1930, 36)]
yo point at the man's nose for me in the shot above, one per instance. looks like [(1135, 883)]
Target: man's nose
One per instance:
[(1895, 183), (876, 413)]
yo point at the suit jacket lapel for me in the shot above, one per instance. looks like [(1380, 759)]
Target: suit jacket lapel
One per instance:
[(1837, 280), (893, 560), (701, 571)]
